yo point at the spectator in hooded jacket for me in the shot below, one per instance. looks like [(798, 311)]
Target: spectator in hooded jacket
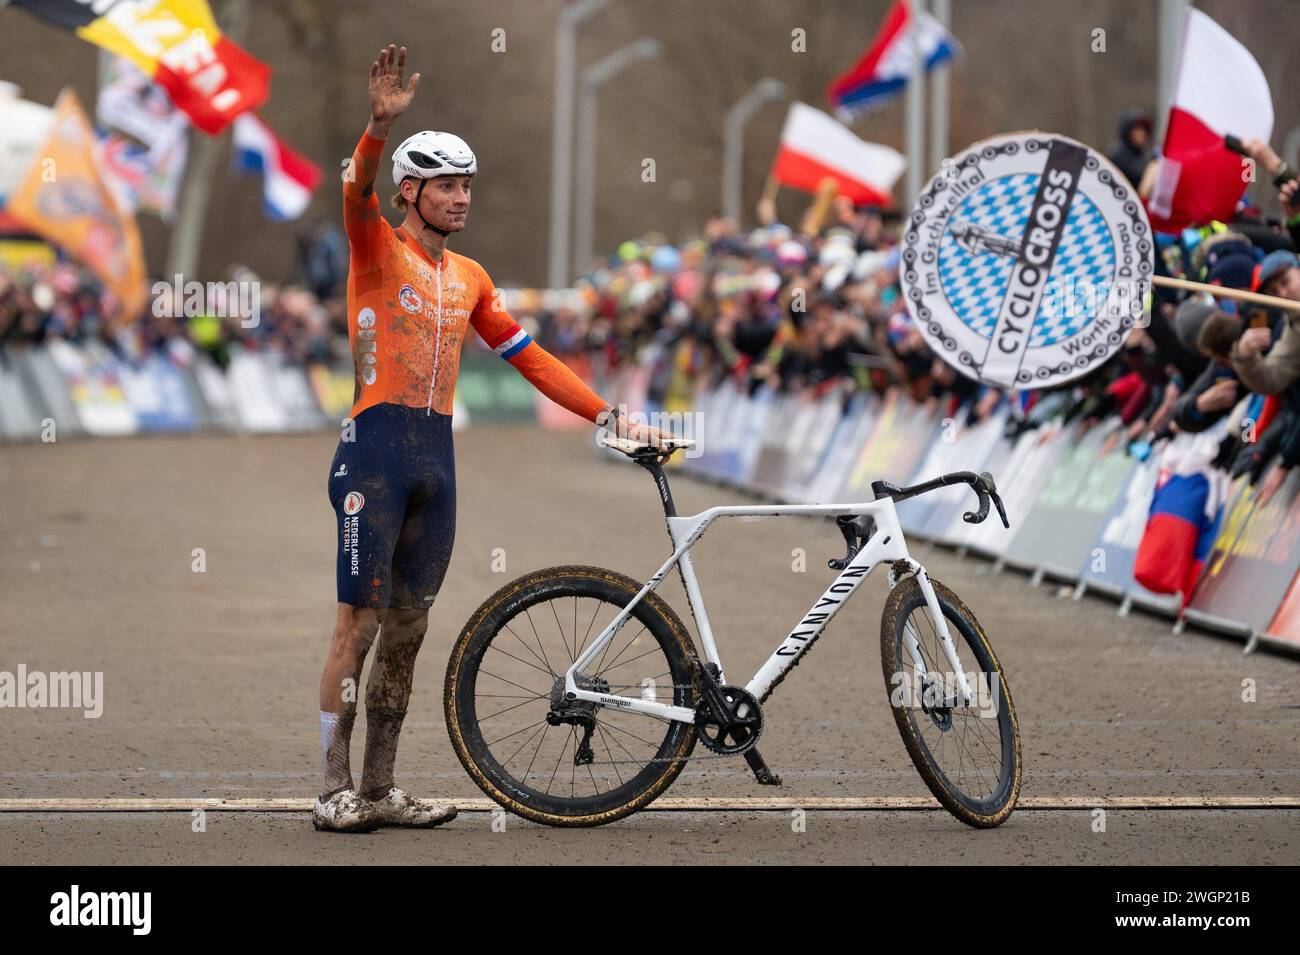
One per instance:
[(1134, 149)]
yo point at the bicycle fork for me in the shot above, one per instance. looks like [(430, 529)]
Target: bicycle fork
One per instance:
[(941, 629)]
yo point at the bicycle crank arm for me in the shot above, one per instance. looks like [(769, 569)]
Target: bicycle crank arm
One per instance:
[(764, 775)]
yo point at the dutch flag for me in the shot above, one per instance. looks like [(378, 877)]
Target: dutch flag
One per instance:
[(288, 178), (883, 71), (510, 342)]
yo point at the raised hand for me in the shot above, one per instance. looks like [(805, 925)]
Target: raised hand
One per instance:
[(388, 99)]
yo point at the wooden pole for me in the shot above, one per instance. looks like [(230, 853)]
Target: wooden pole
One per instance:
[(820, 207), (767, 201), (1218, 291)]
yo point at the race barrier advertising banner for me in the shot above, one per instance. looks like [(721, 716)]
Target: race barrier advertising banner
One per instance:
[(1247, 580), (1071, 509), (1079, 505)]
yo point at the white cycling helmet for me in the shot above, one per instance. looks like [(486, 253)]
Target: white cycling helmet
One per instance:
[(429, 154)]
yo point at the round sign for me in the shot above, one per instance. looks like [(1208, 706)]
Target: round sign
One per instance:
[(353, 503), (1026, 260)]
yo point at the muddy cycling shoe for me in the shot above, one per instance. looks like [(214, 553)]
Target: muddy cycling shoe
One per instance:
[(345, 811), (398, 808)]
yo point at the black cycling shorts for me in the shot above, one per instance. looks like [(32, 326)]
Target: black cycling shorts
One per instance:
[(393, 488)]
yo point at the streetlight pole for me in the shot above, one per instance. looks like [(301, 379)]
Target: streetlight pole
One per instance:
[(1171, 20), (733, 142), (914, 130), (571, 16), (593, 78), (939, 95), (184, 251)]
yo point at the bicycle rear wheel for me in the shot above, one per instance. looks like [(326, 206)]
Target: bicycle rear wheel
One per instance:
[(968, 755), (506, 673)]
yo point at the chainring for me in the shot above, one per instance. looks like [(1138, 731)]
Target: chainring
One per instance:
[(744, 726)]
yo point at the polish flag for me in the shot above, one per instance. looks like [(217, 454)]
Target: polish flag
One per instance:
[(1219, 89), (815, 146), (288, 178)]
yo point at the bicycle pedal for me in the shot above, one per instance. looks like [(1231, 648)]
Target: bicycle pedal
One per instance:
[(762, 773)]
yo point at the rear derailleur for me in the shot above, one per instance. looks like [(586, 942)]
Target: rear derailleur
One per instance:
[(581, 713)]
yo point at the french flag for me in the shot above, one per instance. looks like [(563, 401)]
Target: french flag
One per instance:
[(1186, 510), (814, 146), (288, 178), (1218, 89), (885, 68)]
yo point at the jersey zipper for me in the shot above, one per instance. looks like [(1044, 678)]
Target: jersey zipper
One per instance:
[(437, 343)]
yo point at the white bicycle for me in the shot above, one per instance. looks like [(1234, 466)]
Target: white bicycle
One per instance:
[(568, 729)]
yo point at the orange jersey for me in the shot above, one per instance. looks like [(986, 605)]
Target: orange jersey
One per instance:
[(408, 313)]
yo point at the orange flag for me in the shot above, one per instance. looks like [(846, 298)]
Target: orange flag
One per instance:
[(63, 199)]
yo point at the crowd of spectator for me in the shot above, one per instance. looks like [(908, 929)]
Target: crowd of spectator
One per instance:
[(306, 322), (818, 310)]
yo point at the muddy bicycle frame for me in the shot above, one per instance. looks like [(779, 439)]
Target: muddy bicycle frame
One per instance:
[(885, 544)]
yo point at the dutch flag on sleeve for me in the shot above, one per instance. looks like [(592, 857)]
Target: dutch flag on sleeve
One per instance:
[(510, 342), (884, 69), (288, 178)]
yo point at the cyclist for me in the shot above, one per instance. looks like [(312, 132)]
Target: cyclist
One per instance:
[(392, 481)]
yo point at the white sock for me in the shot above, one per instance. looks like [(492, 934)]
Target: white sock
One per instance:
[(329, 727)]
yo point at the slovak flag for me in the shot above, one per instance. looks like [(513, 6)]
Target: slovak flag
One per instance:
[(1218, 89), (1186, 510), (288, 178), (814, 146), (885, 68)]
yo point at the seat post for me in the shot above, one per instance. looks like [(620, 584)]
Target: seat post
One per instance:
[(651, 463)]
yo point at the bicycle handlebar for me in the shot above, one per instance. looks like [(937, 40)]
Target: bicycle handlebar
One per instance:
[(982, 484)]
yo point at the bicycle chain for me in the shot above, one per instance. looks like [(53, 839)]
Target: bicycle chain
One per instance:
[(663, 759)]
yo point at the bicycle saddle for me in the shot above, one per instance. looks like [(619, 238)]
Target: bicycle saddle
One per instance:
[(635, 448)]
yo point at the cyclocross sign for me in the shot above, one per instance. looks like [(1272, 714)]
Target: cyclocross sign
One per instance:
[(1026, 260)]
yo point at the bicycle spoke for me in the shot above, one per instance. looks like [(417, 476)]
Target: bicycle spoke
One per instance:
[(601, 731), (654, 649), (517, 732), (559, 759), (600, 667), (586, 636), (626, 751), (529, 616), (619, 754), (529, 770), (600, 722), (975, 765), (483, 719), (523, 744), (526, 647), (512, 683), (524, 662)]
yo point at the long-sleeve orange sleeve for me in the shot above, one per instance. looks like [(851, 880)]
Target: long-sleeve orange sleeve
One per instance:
[(547, 373), (362, 219)]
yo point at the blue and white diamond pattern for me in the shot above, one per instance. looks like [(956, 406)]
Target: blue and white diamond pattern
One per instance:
[(975, 283)]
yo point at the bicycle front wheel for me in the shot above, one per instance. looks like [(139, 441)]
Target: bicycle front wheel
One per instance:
[(968, 753), (506, 674)]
